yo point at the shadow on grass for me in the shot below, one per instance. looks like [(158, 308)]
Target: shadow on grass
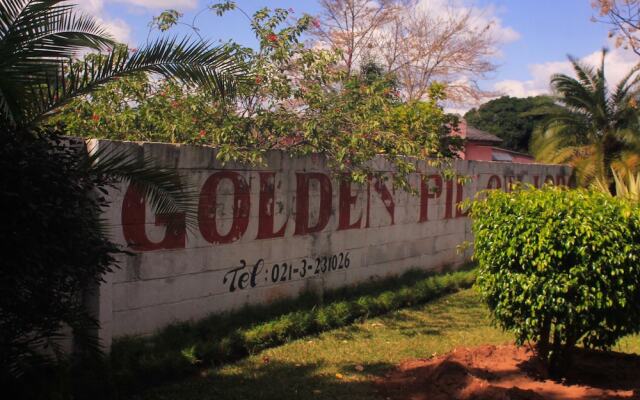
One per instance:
[(452, 313), (275, 381), (349, 332)]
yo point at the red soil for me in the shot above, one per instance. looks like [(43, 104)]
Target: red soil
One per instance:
[(512, 373)]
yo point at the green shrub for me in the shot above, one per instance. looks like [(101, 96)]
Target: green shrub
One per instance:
[(559, 267)]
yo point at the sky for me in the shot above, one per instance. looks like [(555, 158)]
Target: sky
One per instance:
[(534, 36)]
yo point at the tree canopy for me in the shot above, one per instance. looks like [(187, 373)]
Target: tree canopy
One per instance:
[(596, 126), (510, 119), (300, 99)]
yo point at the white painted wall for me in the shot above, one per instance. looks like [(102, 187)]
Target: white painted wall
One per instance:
[(154, 288)]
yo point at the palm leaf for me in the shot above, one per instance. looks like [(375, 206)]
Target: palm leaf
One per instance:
[(194, 63), (40, 38), (41, 35), (164, 189), (626, 85), (585, 73), (34, 36)]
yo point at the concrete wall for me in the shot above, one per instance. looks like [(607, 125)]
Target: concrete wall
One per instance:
[(276, 230)]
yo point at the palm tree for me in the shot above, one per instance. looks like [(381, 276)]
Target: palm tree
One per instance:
[(596, 128), (40, 41), (39, 72)]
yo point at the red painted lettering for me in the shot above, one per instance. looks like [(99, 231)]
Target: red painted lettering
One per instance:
[(266, 208), (133, 225), (427, 193), (494, 182), (448, 200), (459, 198), (386, 197), (346, 201), (302, 202), (508, 182), (207, 208)]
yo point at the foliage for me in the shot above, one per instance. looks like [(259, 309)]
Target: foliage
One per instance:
[(140, 109), (596, 128), (55, 192), (624, 18), (629, 189), (38, 40), (559, 267), (509, 118), (299, 101), (54, 244), (184, 348), (414, 40)]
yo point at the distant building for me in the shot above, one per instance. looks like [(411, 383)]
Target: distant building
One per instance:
[(483, 146)]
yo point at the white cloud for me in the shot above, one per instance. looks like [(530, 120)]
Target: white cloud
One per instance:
[(481, 17), (116, 27), (160, 4), (617, 64), (93, 7)]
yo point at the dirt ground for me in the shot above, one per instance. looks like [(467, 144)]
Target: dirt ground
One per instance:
[(511, 373)]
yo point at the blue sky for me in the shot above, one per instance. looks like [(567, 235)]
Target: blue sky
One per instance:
[(541, 32)]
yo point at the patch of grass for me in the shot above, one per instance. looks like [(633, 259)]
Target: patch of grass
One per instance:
[(183, 349), (327, 366), (629, 344)]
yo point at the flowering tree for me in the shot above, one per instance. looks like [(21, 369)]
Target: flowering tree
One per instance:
[(624, 17), (413, 40), (298, 99)]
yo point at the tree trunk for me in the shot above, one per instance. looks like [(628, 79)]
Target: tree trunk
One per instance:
[(543, 344)]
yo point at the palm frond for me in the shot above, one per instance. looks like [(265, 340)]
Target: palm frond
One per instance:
[(572, 92), (585, 73), (34, 36), (193, 63), (626, 85), (629, 189), (10, 11), (164, 189), (46, 31)]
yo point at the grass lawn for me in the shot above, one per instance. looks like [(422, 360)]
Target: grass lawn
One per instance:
[(340, 364)]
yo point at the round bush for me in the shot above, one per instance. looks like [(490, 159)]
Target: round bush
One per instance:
[(559, 267)]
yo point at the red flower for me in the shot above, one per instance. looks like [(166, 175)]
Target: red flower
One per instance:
[(272, 37), (202, 133), (175, 104), (258, 79), (95, 117), (316, 23)]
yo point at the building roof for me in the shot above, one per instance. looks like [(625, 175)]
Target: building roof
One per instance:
[(478, 135)]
